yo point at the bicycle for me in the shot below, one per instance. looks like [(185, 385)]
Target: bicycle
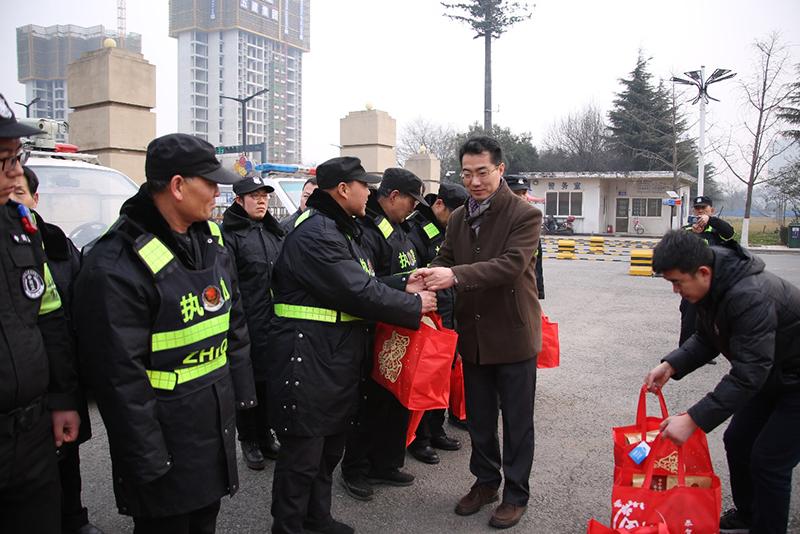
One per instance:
[(637, 227)]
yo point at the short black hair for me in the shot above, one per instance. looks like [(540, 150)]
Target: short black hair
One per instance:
[(311, 180), (157, 185), (682, 250), (32, 179), (480, 144)]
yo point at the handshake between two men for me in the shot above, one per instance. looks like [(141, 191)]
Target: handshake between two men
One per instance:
[(427, 281)]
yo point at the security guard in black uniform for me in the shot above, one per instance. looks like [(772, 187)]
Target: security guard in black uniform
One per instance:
[(519, 186), (325, 295), (376, 449), (38, 383), (64, 262), (163, 340), (254, 239), (427, 227), (717, 233)]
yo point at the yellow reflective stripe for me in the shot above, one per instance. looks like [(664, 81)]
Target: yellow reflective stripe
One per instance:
[(155, 255), (169, 379), (51, 300), (310, 313), (216, 232), (385, 227), (303, 216), (431, 230), (190, 334)]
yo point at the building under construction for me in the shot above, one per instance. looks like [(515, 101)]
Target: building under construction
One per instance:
[(236, 48), (43, 54)]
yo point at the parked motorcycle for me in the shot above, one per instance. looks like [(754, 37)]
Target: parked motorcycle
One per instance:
[(554, 226)]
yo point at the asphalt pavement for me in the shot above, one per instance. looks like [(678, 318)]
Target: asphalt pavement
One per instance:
[(613, 329)]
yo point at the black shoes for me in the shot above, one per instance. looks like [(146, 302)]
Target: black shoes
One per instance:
[(358, 488), (393, 477), (732, 523), (272, 447), (253, 456), (424, 454), (445, 443), (334, 527)]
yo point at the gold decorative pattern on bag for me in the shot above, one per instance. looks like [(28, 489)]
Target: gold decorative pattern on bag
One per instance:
[(668, 463), (390, 359)]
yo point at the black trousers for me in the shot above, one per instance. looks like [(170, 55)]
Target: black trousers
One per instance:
[(30, 496), (252, 424), (378, 442), (202, 521), (762, 443), (489, 389), (73, 513), (431, 425), (301, 485)]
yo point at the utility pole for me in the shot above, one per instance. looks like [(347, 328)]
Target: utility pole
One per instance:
[(28, 106), (243, 102)]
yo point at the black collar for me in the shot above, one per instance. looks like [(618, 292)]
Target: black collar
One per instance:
[(323, 202)]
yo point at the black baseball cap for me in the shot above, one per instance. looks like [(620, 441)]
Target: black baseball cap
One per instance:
[(516, 182), (186, 155), (453, 195), (403, 180), (10, 127), (703, 201), (250, 183), (343, 169)]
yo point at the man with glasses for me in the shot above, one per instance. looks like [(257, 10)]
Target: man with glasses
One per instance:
[(38, 383), (489, 257), (376, 448), (254, 239)]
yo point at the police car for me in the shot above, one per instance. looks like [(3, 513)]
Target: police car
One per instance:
[(75, 191)]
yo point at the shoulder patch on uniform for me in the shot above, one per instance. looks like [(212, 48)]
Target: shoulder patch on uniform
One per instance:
[(32, 284)]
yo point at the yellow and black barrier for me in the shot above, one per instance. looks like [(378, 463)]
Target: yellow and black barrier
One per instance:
[(566, 249), (641, 262), (597, 245)]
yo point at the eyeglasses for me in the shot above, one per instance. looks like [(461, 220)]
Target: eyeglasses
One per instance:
[(481, 174), (9, 162)]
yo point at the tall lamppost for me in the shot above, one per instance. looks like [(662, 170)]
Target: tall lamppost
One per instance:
[(699, 81), (28, 106), (243, 102)]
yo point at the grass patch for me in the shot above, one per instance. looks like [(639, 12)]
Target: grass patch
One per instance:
[(763, 230)]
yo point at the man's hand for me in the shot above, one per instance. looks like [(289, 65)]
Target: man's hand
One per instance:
[(416, 282), (700, 224), (656, 378), (678, 428), (428, 301), (438, 278), (65, 426)]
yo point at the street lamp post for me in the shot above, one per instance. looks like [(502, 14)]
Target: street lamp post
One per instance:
[(243, 102), (697, 78), (28, 106)]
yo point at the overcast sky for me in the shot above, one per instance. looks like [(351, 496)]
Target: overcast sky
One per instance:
[(405, 58)]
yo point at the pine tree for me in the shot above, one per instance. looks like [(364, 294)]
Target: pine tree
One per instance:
[(791, 111)]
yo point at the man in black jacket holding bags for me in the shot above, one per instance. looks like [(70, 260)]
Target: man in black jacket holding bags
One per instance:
[(752, 317), (323, 285), (254, 239)]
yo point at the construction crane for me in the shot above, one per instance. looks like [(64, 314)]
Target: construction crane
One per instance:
[(121, 31)]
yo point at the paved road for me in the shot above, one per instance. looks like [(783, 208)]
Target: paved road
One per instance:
[(614, 328)]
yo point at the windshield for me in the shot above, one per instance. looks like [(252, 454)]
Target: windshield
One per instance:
[(82, 201), (293, 189)]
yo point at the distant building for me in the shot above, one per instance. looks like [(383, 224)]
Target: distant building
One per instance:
[(43, 54), (237, 48)]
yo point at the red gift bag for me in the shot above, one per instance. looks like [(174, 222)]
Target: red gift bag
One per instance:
[(415, 364), (458, 403), (696, 455), (413, 423), (686, 503), (595, 527), (550, 354)]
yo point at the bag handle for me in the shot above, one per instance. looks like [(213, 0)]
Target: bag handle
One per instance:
[(641, 409), (658, 448)]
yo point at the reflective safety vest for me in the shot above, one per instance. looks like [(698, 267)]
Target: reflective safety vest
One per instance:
[(189, 338), (404, 254)]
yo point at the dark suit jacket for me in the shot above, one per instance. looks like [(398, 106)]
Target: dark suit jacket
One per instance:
[(497, 309)]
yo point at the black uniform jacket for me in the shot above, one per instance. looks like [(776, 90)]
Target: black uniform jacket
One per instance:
[(717, 232), (387, 243), (428, 235), (173, 454), (314, 366), (36, 358), (255, 246), (64, 261), (752, 317)]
